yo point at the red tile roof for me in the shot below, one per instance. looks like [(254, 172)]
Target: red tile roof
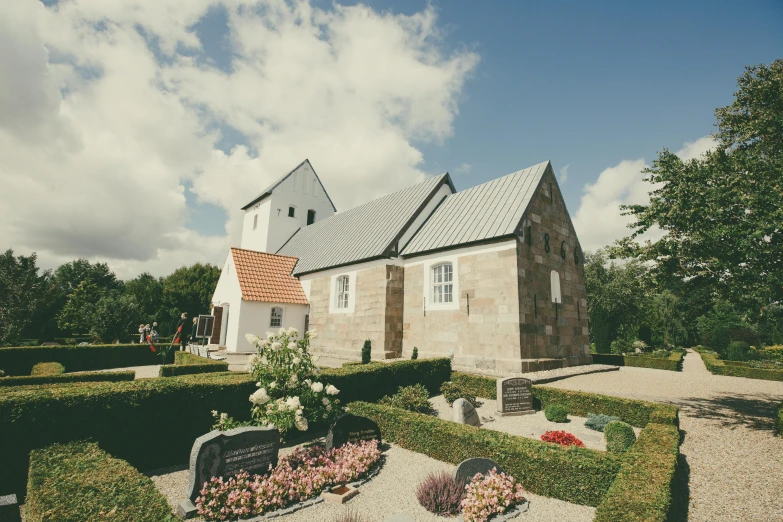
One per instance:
[(267, 277)]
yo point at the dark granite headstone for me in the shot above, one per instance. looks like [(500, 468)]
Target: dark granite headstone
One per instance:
[(514, 396), (226, 453), (468, 468), (352, 428)]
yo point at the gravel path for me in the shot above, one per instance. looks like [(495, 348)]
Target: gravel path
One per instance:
[(732, 462), (142, 372), (392, 491)]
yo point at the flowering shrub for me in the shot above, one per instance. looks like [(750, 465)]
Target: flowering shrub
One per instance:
[(411, 398), (563, 438), (301, 475), (289, 394), (490, 494), (440, 493)]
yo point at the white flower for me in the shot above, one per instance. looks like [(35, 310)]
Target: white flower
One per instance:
[(328, 407), (308, 382), (292, 403), (301, 423), (292, 332), (294, 379), (296, 360), (291, 345), (313, 334), (264, 360), (263, 344), (223, 417), (317, 387), (325, 401), (270, 336), (276, 345), (300, 411), (259, 397), (214, 413), (281, 331), (272, 385), (331, 390), (252, 339)]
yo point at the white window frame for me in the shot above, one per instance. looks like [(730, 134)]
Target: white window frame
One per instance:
[(442, 283), (428, 283), (334, 293), (554, 285), (272, 317), (342, 292)]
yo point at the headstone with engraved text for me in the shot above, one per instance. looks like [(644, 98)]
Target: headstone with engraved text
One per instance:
[(352, 428), (514, 396)]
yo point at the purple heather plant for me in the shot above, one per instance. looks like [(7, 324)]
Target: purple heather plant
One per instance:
[(441, 494)]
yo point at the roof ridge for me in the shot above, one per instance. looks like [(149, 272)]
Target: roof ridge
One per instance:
[(265, 253), (501, 177)]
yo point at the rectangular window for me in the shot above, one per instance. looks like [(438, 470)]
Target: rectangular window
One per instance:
[(291, 212), (277, 317), (310, 217), (442, 284), (342, 292)]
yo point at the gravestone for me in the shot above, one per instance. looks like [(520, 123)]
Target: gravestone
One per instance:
[(226, 453), (463, 412), (514, 396), (9, 509), (468, 468), (203, 351), (352, 428)]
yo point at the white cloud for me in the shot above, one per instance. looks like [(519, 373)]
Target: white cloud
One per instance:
[(599, 222), (563, 175), (464, 168), (98, 134)]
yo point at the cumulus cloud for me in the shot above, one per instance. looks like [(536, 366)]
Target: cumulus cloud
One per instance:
[(109, 109), (562, 176), (464, 168), (598, 221)]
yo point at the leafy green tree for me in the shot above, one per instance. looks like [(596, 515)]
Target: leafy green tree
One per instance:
[(23, 293), (70, 275), (666, 317), (189, 289), (721, 214), (78, 314), (147, 291), (114, 316)]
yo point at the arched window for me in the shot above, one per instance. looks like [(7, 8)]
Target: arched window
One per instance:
[(342, 291), (442, 283), (255, 221), (310, 217), (555, 281), (291, 211), (277, 317)]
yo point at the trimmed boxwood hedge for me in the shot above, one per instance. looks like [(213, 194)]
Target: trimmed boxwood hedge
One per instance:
[(187, 364), (127, 375), (47, 369), (20, 360), (634, 412), (78, 482), (578, 475), (672, 363), (718, 367), (153, 422)]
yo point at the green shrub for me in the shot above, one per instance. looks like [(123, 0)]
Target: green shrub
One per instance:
[(556, 413), (47, 369), (187, 364), (620, 346), (20, 360), (779, 420), (351, 363), (127, 375), (79, 482), (411, 398), (640, 345), (719, 340), (415, 354), (738, 351), (366, 351), (672, 362), (599, 422), (575, 475), (719, 367), (642, 488), (619, 436), (452, 391)]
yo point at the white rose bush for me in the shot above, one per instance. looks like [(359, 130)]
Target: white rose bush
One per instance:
[(289, 394)]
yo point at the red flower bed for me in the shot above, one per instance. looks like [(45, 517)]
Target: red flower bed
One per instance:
[(563, 438)]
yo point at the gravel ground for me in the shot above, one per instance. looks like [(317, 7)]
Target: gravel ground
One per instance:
[(732, 462), (531, 426), (393, 491), (545, 375), (142, 372)]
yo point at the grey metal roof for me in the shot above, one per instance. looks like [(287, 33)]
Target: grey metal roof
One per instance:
[(364, 232), (490, 210), (273, 186)]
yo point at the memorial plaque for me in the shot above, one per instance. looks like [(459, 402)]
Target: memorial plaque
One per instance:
[(226, 453), (352, 428), (468, 468), (514, 396), (203, 351), (204, 326)]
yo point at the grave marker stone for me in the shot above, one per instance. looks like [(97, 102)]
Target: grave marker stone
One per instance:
[(226, 453), (463, 412), (468, 468), (352, 428), (514, 396)]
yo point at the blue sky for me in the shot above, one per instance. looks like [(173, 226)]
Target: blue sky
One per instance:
[(584, 84)]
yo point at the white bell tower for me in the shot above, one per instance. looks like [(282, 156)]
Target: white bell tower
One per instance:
[(296, 200)]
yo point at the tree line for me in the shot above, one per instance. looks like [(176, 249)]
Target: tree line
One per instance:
[(717, 273), (87, 300)]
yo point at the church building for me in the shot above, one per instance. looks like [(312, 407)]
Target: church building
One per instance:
[(492, 276)]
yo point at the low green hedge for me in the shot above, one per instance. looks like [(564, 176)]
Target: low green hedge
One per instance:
[(718, 367), (642, 488), (187, 364), (47, 369), (672, 363), (20, 360), (79, 482), (779, 420), (128, 375), (578, 475), (634, 412)]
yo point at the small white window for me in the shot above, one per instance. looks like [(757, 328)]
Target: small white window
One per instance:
[(442, 285), (277, 317), (342, 291), (555, 279), (255, 221), (291, 211)]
